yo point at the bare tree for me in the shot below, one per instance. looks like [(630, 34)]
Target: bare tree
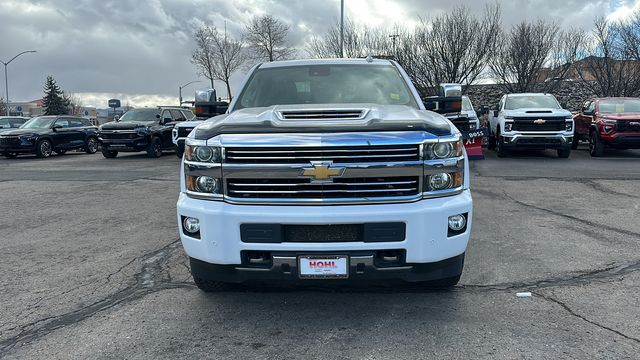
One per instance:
[(612, 64), (217, 55), (75, 102), (3, 106), (359, 42), (266, 38), (534, 55)]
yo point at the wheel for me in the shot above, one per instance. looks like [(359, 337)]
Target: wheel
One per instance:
[(10, 155), (596, 146), (44, 148), (154, 150), (576, 142), (502, 152), (444, 283), (61, 151), (92, 146), (564, 153), (109, 154), (210, 286), (491, 145)]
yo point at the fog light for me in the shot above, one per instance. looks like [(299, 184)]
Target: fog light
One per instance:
[(192, 225), (457, 222), (440, 181), (207, 184)]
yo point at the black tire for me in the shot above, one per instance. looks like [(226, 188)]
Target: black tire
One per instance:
[(491, 144), (92, 145), (500, 149), (596, 146), (564, 153), (44, 148), (61, 151), (154, 150), (444, 283), (575, 142), (109, 154), (10, 155), (210, 286)]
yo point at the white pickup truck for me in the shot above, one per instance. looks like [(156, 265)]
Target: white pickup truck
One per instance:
[(530, 121), (325, 170)]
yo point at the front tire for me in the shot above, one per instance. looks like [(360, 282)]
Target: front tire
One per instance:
[(491, 144), (500, 149), (575, 142), (209, 286), (92, 146), (109, 154), (564, 153), (154, 150), (44, 148), (596, 146)]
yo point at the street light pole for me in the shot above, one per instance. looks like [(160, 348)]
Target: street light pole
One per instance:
[(341, 28), (183, 86), (6, 81)]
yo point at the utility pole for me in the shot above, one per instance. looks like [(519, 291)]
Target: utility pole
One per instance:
[(341, 28), (6, 81), (183, 86), (393, 40)]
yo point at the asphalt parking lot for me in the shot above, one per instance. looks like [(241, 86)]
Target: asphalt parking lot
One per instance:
[(92, 268)]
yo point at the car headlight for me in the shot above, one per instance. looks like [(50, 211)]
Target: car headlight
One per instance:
[(203, 184), (569, 125), (472, 126), (210, 154), (443, 181), (174, 133), (508, 126), (27, 137), (442, 150), (142, 131)]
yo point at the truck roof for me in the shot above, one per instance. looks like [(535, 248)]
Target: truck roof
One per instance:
[(530, 94), (303, 62)]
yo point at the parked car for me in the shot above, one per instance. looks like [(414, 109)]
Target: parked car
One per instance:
[(608, 122), (467, 108), (44, 135), (530, 121), (8, 123), (143, 129), (325, 169), (206, 106)]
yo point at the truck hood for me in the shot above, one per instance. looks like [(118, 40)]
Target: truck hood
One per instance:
[(324, 118), (537, 112), (128, 125)]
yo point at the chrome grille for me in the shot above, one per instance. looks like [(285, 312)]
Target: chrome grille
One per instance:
[(370, 187), (347, 114), (118, 135), (298, 155)]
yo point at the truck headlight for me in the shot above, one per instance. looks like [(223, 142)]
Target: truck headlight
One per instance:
[(508, 126), (569, 125), (203, 184), (442, 150), (212, 154), (142, 131), (443, 181)]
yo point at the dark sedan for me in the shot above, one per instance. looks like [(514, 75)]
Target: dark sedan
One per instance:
[(44, 135)]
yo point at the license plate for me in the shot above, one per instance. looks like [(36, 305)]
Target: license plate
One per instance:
[(323, 267)]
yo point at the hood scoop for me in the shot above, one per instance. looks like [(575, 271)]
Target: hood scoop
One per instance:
[(336, 114), (539, 112)]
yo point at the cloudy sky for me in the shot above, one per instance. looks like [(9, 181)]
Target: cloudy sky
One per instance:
[(139, 50)]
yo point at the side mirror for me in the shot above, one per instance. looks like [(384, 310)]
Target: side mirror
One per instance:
[(157, 116), (563, 105), (484, 109), (166, 120), (56, 127), (116, 118), (587, 112), (495, 113)]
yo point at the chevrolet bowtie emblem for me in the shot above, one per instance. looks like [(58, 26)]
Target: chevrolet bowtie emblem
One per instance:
[(322, 171), (539, 121)]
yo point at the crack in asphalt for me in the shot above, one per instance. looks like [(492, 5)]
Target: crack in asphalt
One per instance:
[(573, 313), (149, 279)]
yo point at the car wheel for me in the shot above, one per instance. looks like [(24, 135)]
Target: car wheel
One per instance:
[(10, 155), (564, 153), (44, 148), (575, 142), (596, 146), (491, 145), (60, 151), (210, 286), (109, 154), (92, 146), (154, 150), (500, 149)]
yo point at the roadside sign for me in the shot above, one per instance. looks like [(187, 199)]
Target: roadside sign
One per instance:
[(114, 103)]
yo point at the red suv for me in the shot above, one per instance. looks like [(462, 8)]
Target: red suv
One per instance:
[(608, 122)]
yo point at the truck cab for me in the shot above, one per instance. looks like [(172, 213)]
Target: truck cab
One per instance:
[(530, 121), (612, 122)]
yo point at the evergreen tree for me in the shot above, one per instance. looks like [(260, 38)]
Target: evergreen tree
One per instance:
[(54, 101)]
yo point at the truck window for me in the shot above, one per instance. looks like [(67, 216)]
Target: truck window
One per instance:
[(619, 106), (531, 101), (326, 84)]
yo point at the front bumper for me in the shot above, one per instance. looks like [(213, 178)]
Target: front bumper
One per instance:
[(426, 239), (514, 140), (133, 145), (623, 140), (20, 149)]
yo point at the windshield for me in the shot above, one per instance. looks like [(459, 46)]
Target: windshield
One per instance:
[(39, 122), (325, 84), (466, 104), (140, 115), (531, 101), (4, 122), (619, 106)]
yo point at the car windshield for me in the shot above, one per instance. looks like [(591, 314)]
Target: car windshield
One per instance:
[(466, 104), (325, 84), (39, 122), (531, 101), (140, 115), (619, 106), (4, 122)]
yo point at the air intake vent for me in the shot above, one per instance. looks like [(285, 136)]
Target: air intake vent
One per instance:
[(343, 114), (539, 112)]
